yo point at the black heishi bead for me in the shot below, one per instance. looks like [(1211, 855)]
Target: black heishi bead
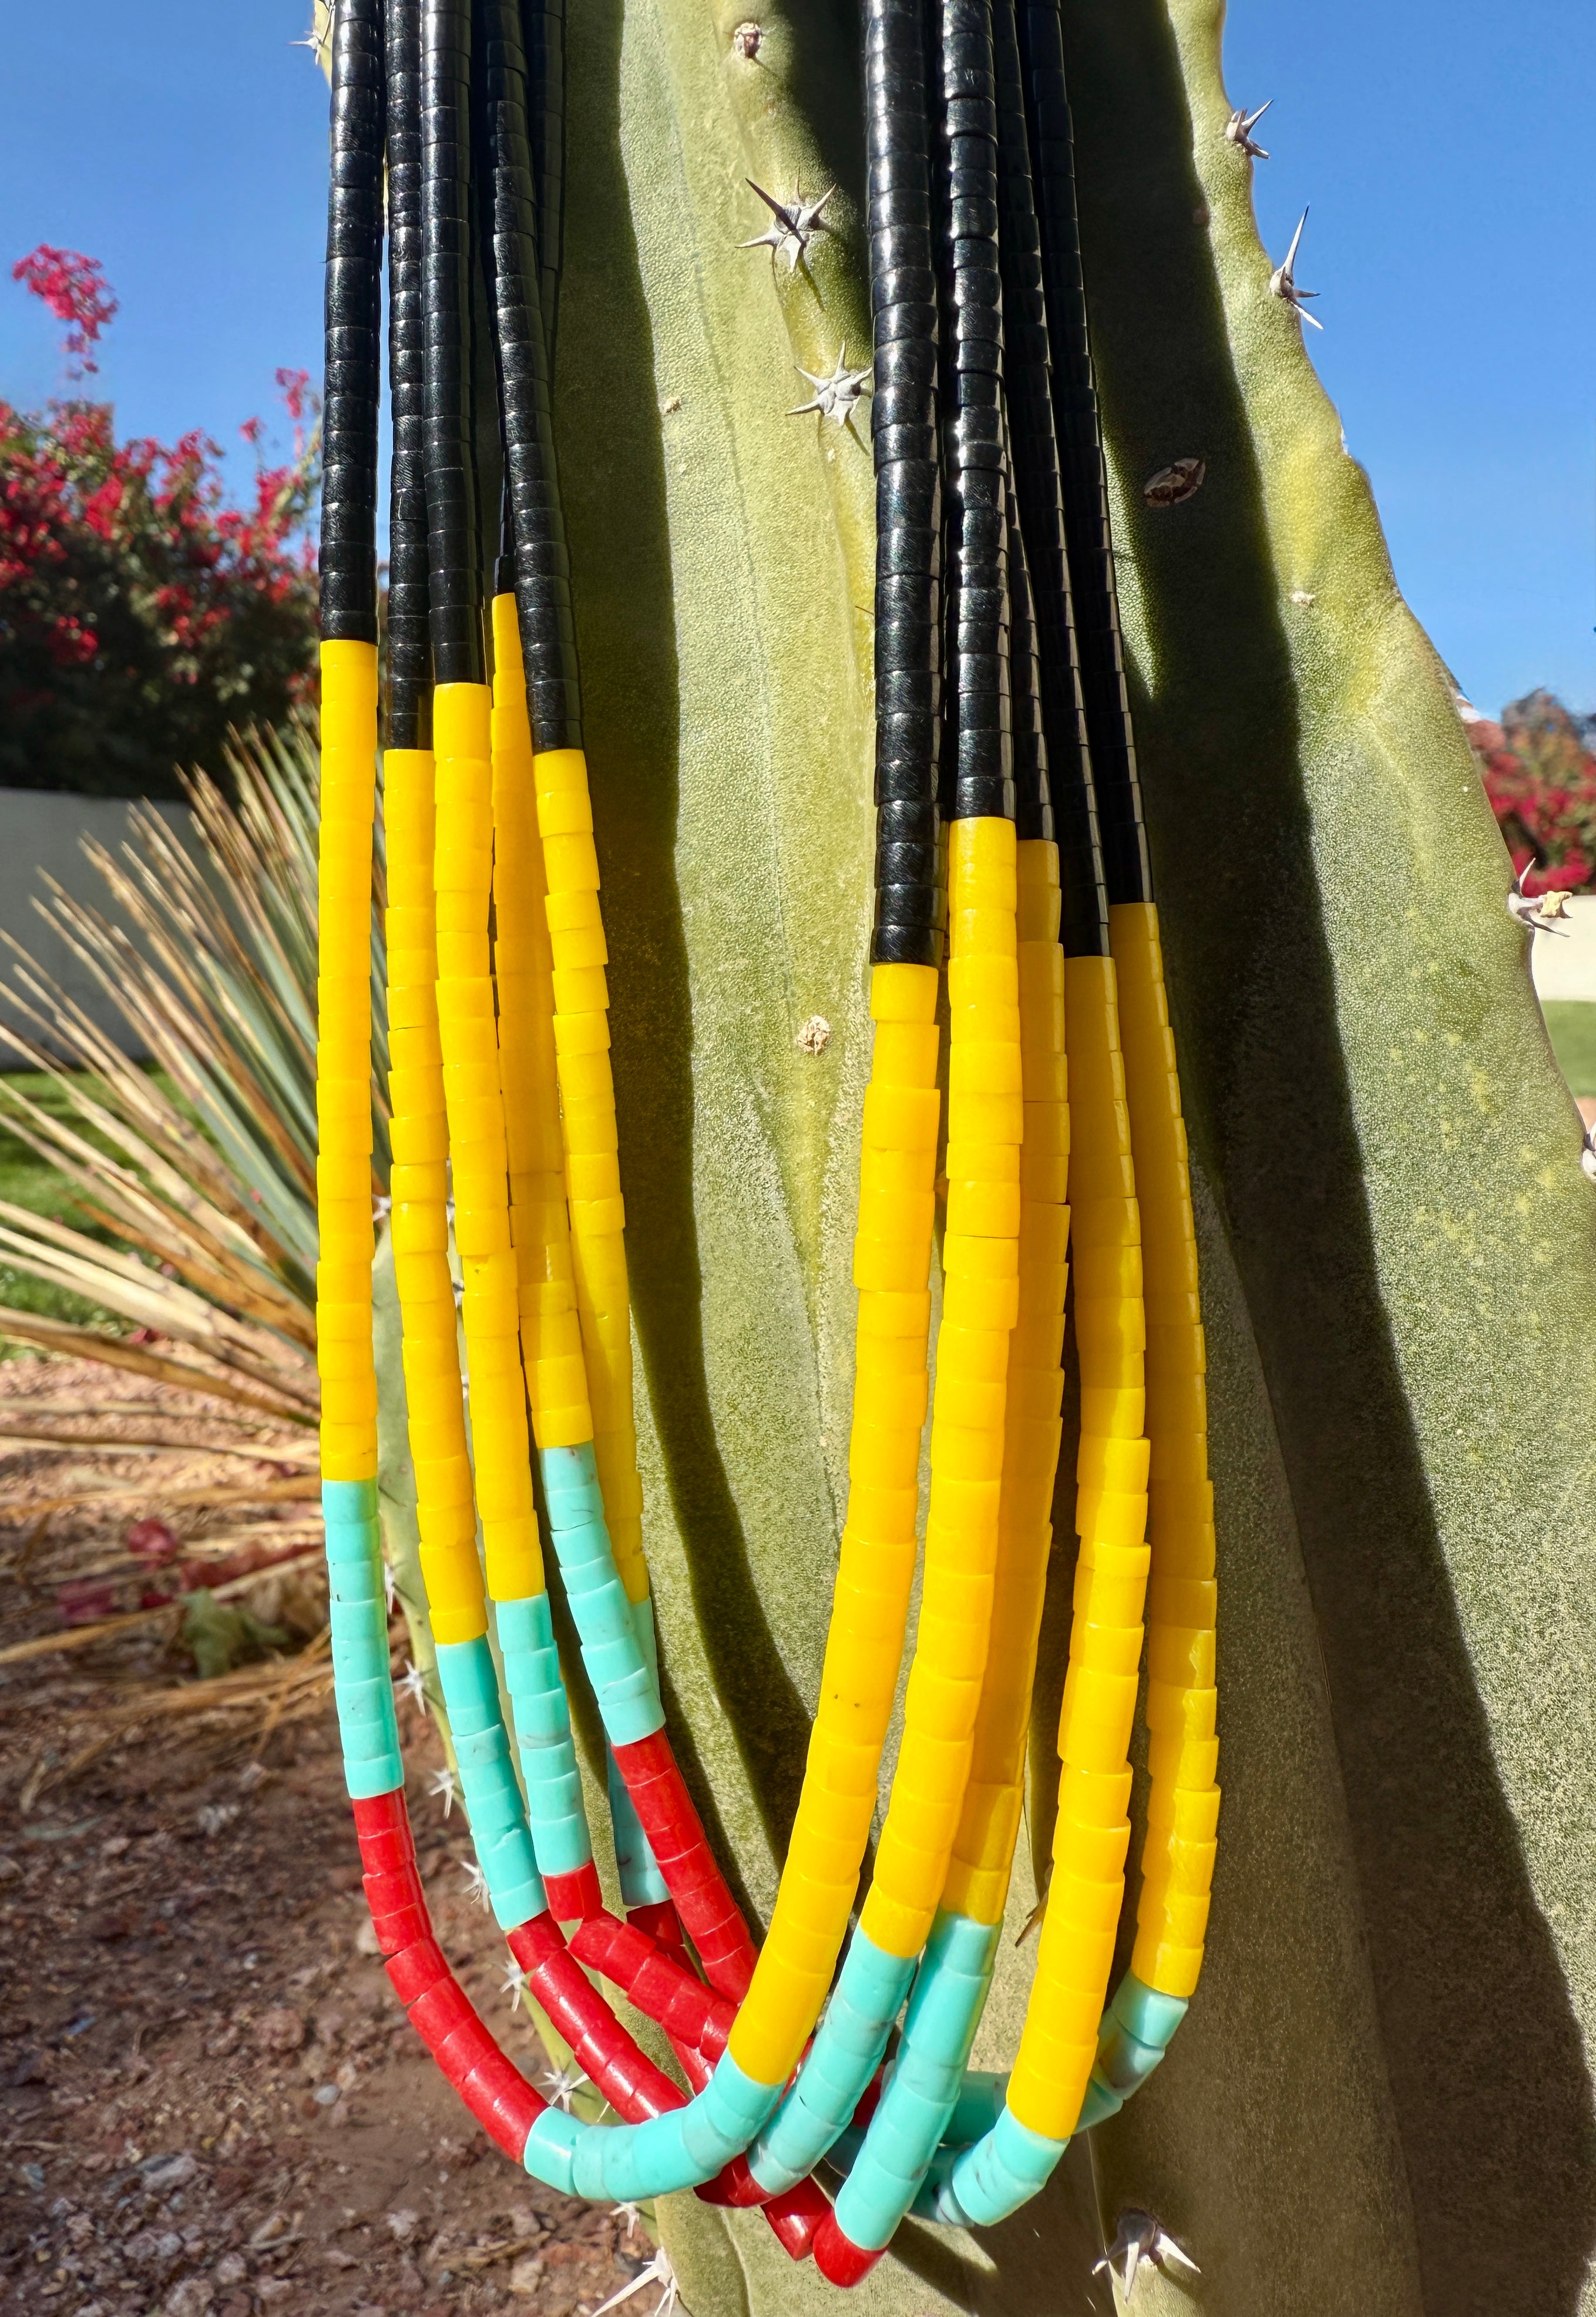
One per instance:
[(906, 362), (971, 217), (907, 285), (908, 550), (982, 533), (977, 280), (892, 247), (904, 596), (984, 750), (907, 864), (906, 741), (972, 441), (546, 561), (889, 83), (973, 390), (899, 168), (906, 821), (906, 691), (903, 902), (902, 444), (906, 208), (970, 116), (893, 945), (910, 321), (983, 796), (915, 490), (908, 646), (979, 492), (980, 671)]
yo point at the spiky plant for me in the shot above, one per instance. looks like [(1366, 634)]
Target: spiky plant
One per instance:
[(200, 1174)]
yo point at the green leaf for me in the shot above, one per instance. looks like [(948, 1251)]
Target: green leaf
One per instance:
[(219, 1636)]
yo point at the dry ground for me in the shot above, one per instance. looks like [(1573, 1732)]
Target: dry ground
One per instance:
[(209, 2099)]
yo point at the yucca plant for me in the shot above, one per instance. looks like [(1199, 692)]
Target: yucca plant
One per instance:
[(203, 1168)]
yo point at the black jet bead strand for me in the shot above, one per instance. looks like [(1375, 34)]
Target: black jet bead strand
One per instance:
[(1028, 381), (911, 909), (1081, 459), (455, 574), (1033, 802), (542, 572), (352, 385), (543, 36), (409, 699), (980, 749)]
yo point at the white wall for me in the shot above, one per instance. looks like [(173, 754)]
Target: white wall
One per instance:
[(1565, 964), (41, 831)]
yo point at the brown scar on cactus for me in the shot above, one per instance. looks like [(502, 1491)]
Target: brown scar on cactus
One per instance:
[(815, 1036), (1177, 481), (746, 39)]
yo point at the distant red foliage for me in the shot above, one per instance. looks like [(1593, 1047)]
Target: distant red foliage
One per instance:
[(1540, 777), (140, 614), (75, 289)]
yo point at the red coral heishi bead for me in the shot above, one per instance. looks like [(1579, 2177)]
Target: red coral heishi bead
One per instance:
[(837, 2257)]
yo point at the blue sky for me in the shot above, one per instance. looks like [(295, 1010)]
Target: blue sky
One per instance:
[(1437, 144), (1438, 141)]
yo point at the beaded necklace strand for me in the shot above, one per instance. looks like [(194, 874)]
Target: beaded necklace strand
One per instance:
[(1184, 1806), (501, 1092)]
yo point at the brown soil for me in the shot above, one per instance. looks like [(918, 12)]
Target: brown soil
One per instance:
[(209, 2099)]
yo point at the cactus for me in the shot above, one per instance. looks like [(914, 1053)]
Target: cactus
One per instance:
[(1379, 2103)]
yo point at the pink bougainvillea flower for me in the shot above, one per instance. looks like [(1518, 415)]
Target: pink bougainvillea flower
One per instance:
[(75, 289)]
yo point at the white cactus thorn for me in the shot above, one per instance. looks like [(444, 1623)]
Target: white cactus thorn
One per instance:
[(632, 2214), (1239, 128), (514, 1979), (658, 2272), (835, 398), (319, 38), (1282, 281), (445, 1783), (475, 1883), (412, 1684), (1139, 2238), (794, 223), (1543, 913), (559, 2083)]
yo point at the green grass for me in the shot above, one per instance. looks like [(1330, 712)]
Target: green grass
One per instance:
[(1570, 1024)]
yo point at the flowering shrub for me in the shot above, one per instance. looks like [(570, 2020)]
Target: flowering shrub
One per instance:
[(140, 614), (1540, 777), (75, 289)]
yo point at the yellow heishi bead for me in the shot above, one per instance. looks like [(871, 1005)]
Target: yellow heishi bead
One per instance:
[(981, 1267), (450, 1571), (1182, 1601), (870, 1600), (563, 865), (343, 1064)]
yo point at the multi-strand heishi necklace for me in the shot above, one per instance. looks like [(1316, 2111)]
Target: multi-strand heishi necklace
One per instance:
[(1009, 854)]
